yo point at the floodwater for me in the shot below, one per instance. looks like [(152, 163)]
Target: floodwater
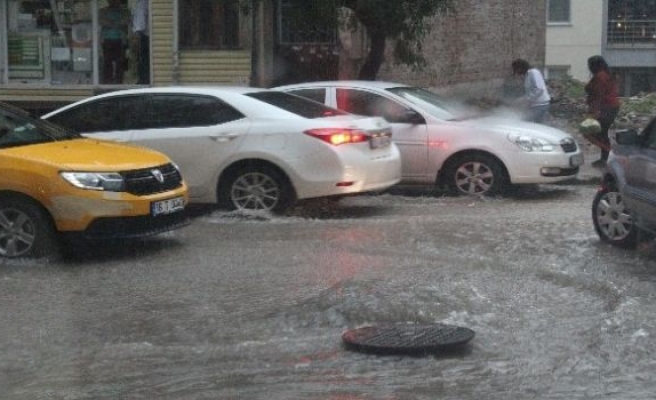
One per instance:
[(253, 307)]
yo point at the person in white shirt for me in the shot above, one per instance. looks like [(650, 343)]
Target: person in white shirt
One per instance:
[(536, 97), (140, 29)]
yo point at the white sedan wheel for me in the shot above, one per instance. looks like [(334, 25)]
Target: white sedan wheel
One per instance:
[(257, 189), (475, 174)]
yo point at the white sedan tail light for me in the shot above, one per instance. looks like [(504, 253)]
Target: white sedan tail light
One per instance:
[(337, 136)]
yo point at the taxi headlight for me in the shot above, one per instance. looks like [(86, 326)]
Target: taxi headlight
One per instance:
[(107, 181)]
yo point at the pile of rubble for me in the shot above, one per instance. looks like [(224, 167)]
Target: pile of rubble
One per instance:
[(568, 106)]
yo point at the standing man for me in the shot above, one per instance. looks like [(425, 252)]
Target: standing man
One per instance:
[(536, 96), (140, 29), (114, 20)]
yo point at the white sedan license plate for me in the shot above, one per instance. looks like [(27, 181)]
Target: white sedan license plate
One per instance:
[(167, 206), (576, 160), (377, 142)]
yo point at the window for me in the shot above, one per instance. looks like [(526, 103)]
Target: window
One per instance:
[(209, 24), (101, 115), (183, 111), (318, 95), (650, 135), (52, 42), (299, 24), (370, 104), (558, 11), (557, 72), (295, 104)]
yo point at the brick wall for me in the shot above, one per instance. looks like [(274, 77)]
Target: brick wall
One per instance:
[(470, 50)]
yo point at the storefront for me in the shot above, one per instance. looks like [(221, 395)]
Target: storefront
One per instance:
[(62, 50), (61, 42)]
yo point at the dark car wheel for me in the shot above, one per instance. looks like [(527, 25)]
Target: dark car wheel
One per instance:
[(25, 230), (612, 220), (475, 174), (257, 189)]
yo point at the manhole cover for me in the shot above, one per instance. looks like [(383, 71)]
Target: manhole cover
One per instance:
[(406, 338)]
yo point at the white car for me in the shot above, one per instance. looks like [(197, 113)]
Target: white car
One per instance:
[(246, 148), (481, 156)]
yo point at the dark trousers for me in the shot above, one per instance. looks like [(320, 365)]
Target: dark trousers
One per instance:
[(113, 61), (143, 62), (606, 120)]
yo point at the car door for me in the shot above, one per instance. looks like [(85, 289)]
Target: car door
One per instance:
[(640, 173), (409, 130), (198, 132)]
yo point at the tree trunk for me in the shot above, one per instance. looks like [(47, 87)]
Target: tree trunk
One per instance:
[(375, 57)]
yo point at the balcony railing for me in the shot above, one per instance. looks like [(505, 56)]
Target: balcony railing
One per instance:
[(632, 32)]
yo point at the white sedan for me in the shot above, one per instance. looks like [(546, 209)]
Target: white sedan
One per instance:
[(479, 156), (246, 148)]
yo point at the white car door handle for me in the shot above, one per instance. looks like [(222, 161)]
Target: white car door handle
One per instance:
[(224, 137)]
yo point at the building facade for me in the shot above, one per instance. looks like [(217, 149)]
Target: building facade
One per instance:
[(54, 52), (470, 50), (622, 31), (57, 51)]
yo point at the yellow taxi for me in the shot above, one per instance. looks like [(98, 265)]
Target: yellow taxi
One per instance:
[(55, 183)]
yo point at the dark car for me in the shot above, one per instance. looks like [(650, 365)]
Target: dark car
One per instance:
[(624, 208)]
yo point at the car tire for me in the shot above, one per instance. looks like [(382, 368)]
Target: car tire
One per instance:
[(612, 220), (256, 189), (475, 174), (25, 229)]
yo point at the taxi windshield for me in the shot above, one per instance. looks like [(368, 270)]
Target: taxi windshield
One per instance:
[(17, 128)]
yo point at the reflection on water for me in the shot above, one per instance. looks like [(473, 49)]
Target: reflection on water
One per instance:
[(255, 308)]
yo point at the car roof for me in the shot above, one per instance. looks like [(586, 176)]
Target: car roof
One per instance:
[(349, 83), (210, 90), (236, 96)]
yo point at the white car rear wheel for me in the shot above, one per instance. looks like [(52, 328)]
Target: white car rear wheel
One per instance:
[(257, 189)]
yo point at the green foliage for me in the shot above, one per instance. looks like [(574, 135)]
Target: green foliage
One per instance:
[(644, 104)]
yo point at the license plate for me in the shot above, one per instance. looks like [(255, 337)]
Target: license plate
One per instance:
[(167, 206), (379, 141), (576, 160)]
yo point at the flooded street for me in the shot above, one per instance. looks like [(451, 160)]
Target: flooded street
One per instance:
[(250, 307)]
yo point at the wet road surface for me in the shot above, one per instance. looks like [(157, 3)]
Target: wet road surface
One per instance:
[(253, 307)]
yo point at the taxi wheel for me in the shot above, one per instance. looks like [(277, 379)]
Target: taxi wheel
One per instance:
[(612, 220), (475, 174), (25, 229), (256, 189)]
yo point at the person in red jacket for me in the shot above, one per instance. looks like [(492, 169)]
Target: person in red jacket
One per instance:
[(603, 104)]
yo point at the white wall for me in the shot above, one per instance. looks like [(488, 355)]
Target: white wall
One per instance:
[(571, 44)]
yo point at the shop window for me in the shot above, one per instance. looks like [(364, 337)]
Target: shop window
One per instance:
[(50, 41), (209, 24)]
